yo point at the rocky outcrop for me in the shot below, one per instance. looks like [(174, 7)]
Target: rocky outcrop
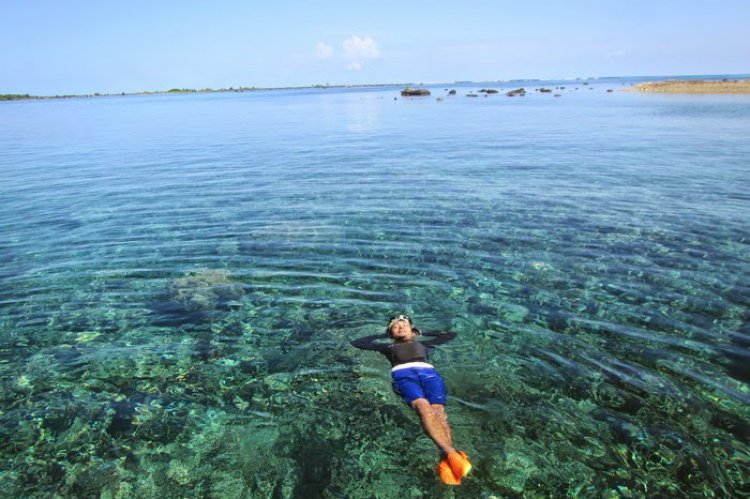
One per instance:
[(414, 92)]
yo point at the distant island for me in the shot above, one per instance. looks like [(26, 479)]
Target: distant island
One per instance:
[(17, 97), (9, 97), (698, 86), (724, 86)]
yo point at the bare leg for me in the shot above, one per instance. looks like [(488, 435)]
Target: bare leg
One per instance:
[(439, 411), (433, 425)]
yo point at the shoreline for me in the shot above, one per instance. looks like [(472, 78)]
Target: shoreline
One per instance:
[(12, 97), (723, 86), (739, 84)]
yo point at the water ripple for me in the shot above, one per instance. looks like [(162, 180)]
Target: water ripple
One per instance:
[(191, 269)]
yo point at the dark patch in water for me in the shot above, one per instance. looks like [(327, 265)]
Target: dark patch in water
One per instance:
[(59, 419), (693, 470), (313, 458), (739, 355), (732, 424), (204, 350), (301, 336), (739, 295), (122, 419), (169, 313), (69, 357), (622, 431), (481, 309)]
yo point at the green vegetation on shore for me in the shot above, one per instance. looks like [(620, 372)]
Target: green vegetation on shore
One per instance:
[(724, 86), (7, 97), (16, 96)]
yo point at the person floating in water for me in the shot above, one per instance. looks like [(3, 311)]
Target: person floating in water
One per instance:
[(421, 387)]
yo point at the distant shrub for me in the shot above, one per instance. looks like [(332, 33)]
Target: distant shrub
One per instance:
[(15, 96)]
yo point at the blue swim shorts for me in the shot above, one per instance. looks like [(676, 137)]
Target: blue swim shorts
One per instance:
[(411, 383)]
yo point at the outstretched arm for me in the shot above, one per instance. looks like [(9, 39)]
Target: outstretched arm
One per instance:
[(371, 342), (438, 337)]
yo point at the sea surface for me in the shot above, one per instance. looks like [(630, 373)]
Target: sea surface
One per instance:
[(180, 277)]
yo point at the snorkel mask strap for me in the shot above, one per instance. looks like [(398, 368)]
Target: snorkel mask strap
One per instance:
[(400, 317)]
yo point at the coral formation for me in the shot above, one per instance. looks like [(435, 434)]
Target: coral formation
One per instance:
[(205, 289)]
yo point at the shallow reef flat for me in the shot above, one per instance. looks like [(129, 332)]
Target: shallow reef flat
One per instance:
[(695, 87), (179, 294)]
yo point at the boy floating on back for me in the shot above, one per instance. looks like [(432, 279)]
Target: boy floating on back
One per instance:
[(421, 387)]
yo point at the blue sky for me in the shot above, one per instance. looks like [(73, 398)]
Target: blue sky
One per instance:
[(55, 47)]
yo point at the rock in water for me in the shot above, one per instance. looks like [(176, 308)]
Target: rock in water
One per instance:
[(415, 92)]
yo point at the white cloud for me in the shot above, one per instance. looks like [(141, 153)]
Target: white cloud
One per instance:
[(361, 48), (324, 51), (357, 49)]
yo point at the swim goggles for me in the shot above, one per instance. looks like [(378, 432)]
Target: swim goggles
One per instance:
[(397, 318)]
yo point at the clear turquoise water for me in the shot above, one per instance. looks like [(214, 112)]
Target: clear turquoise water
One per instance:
[(181, 274)]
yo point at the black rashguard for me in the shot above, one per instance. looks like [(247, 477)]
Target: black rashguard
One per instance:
[(401, 353)]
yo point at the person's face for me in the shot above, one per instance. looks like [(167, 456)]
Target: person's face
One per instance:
[(401, 330)]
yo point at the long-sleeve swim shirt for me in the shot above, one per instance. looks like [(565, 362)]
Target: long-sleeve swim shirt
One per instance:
[(401, 353)]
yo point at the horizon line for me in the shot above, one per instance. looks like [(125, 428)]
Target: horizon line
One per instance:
[(21, 96)]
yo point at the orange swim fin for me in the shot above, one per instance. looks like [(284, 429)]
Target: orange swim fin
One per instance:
[(459, 464), (446, 474)]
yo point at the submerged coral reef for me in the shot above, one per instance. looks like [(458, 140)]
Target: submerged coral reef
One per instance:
[(542, 397)]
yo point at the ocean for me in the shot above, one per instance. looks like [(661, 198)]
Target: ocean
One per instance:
[(181, 275)]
